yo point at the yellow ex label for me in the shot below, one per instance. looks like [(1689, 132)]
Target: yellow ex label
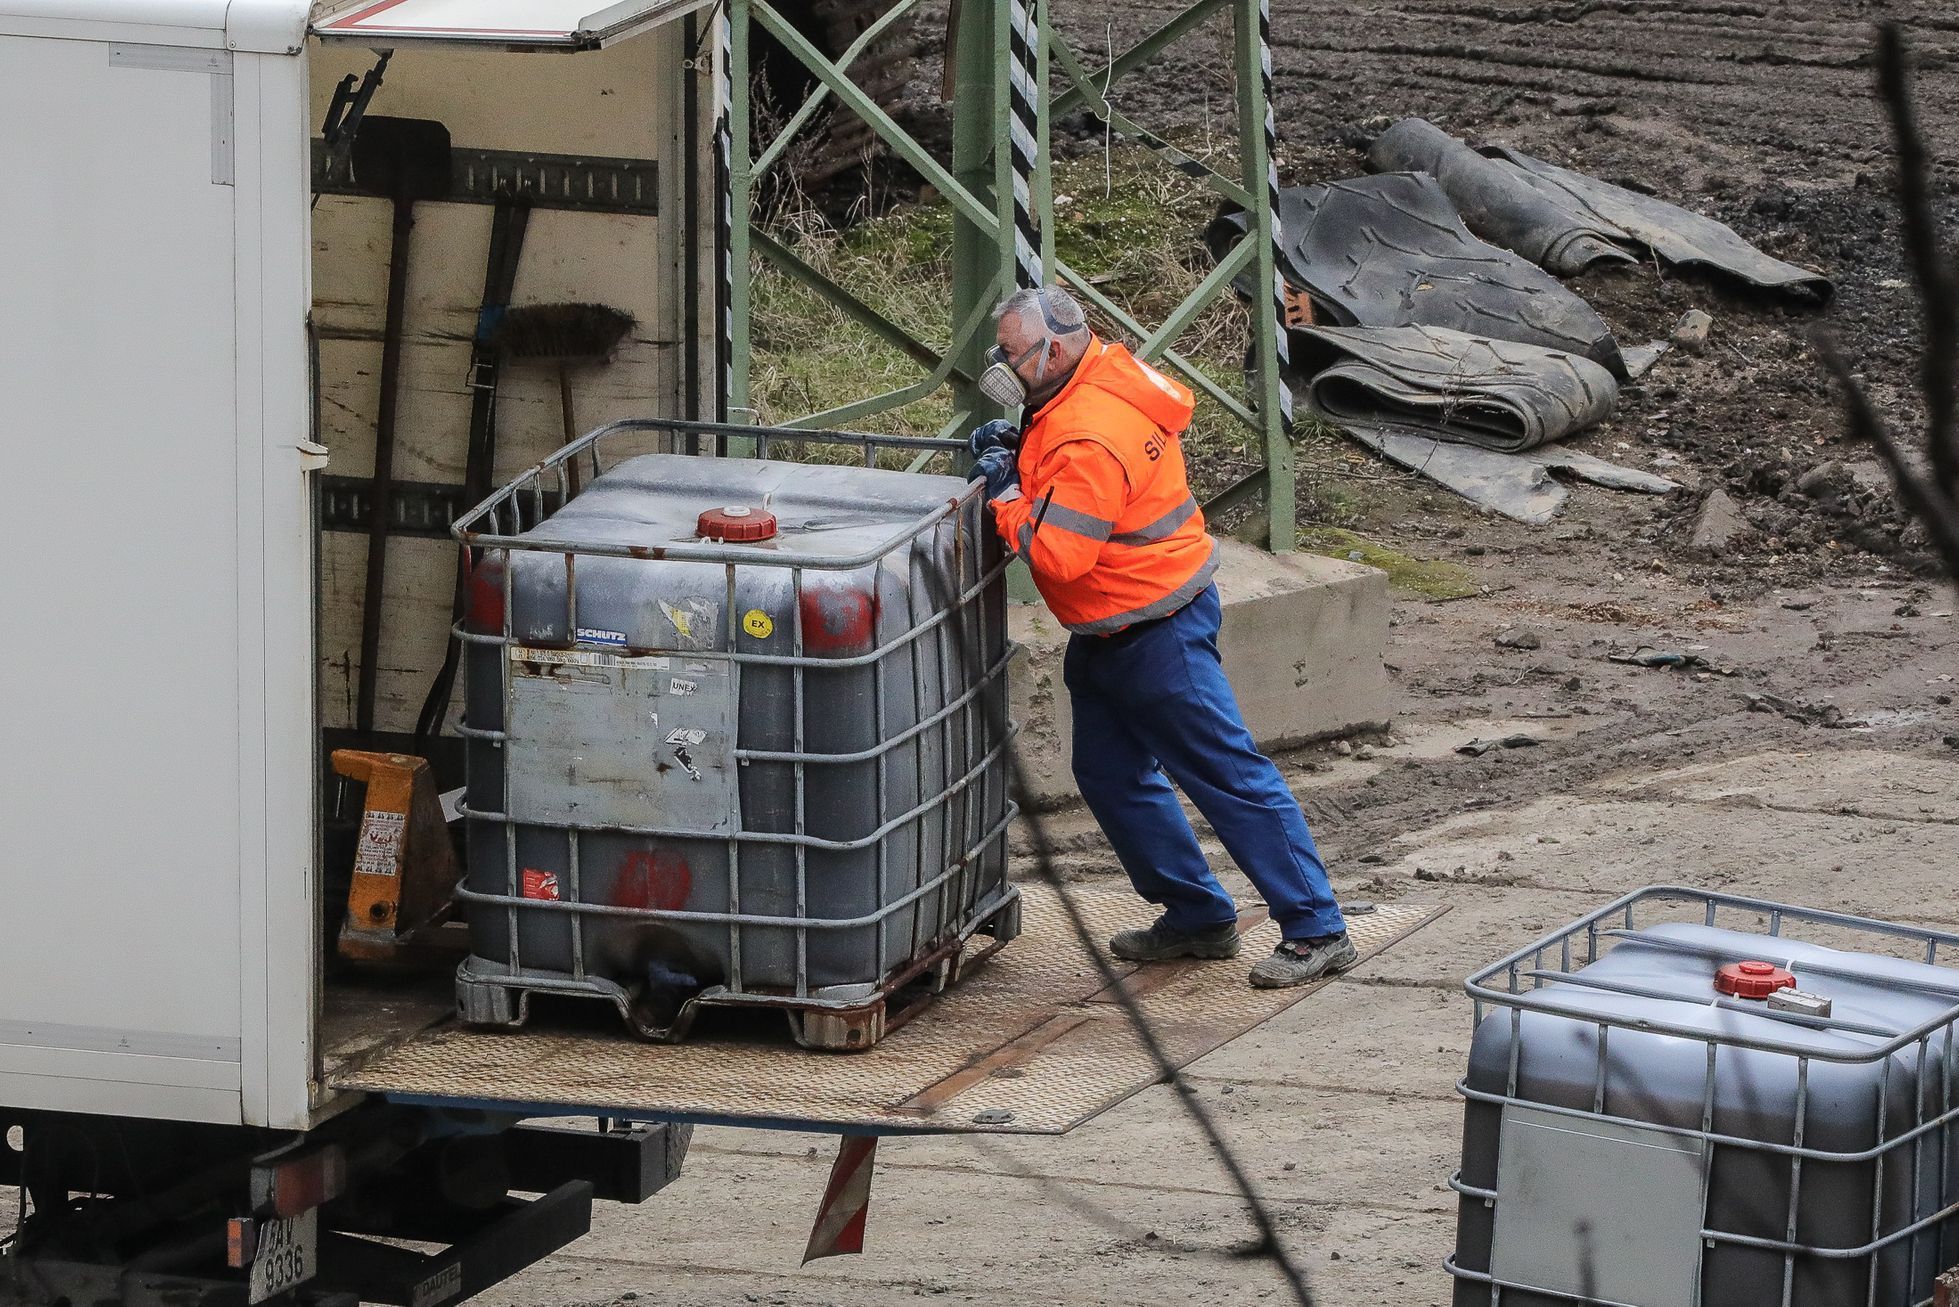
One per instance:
[(758, 624)]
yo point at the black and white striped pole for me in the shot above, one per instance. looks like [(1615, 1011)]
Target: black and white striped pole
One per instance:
[(1024, 137), (724, 103), (1258, 147)]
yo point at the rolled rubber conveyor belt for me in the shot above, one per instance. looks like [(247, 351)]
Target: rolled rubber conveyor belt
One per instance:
[(1566, 222), (1451, 386), (1496, 204)]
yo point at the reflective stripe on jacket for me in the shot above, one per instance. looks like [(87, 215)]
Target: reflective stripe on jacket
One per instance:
[(1104, 515)]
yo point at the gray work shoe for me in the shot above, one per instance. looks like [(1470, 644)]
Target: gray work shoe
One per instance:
[(1298, 961), (1160, 941)]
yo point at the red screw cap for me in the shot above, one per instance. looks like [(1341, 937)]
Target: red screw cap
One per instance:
[(736, 524), (1753, 979)]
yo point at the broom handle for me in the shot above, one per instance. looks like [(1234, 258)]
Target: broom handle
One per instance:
[(380, 498), (571, 425)]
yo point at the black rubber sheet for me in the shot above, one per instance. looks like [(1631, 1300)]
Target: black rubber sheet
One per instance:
[(1675, 234), (1391, 251)]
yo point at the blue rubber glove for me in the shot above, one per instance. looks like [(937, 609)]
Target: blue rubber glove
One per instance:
[(997, 434), (1000, 468)]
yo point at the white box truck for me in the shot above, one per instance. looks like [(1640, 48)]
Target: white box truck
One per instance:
[(192, 338), (205, 318)]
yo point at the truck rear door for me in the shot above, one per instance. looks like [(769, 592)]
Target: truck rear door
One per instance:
[(539, 24)]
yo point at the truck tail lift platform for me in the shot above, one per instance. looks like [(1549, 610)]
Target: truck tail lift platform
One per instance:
[(1031, 1043)]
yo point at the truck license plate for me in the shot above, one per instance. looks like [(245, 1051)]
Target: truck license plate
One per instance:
[(288, 1255)]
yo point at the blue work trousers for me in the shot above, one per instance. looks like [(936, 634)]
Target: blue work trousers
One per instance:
[(1157, 694)]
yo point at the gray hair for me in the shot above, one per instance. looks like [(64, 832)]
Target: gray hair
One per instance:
[(1049, 310)]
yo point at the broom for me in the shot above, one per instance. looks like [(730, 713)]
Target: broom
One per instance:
[(564, 336)]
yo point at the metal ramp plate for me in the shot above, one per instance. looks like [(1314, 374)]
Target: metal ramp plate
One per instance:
[(1028, 1043)]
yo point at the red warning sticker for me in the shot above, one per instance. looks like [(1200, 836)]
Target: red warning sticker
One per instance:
[(540, 884)]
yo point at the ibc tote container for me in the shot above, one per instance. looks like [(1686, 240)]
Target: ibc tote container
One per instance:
[(1710, 1113), (737, 735)]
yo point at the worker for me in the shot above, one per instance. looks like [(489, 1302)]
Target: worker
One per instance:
[(1089, 488)]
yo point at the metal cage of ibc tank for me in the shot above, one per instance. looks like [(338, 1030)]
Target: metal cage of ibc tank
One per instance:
[(1520, 983), (978, 909)]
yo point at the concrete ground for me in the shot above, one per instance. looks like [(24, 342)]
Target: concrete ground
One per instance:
[(1343, 1108)]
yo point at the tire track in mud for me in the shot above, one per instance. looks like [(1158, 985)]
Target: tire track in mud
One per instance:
[(1564, 64), (1778, 90), (1574, 12)]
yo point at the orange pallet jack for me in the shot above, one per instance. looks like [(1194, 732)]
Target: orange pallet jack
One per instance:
[(402, 897)]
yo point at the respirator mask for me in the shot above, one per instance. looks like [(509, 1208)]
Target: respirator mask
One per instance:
[(1001, 381)]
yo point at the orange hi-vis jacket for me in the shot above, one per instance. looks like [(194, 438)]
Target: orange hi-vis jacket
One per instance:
[(1104, 515)]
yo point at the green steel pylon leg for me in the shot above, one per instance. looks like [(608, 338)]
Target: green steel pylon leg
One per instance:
[(1259, 173), (982, 260)]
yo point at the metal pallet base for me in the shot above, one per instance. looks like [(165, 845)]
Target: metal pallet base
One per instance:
[(489, 996)]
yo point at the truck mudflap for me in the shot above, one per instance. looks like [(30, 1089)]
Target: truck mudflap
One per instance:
[(1032, 1042)]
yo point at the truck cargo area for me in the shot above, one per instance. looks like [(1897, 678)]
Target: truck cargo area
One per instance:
[(580, 181), (1031, 1043)]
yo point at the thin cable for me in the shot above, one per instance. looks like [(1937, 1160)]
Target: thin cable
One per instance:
[(1093, 1212), (1929, 265), (1168, 1071), (1108, 122), (707, 29)]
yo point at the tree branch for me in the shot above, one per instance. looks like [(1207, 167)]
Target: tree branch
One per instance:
[(1932, 499)]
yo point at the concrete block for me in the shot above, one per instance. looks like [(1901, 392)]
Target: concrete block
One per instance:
[(1302, 642), (1719, 523)]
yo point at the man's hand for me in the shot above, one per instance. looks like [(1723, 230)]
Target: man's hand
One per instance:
[(1000, 468), (997, 434)]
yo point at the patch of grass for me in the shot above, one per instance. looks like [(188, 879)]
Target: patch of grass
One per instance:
[(1129, 224), (1413, 578), (809, 356), (1133, 231)]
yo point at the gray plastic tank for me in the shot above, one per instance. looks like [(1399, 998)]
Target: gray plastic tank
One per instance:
[(752, 757), (1637, 1134)]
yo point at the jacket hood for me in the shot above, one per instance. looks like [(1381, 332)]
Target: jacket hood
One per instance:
[(1162, 399)]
